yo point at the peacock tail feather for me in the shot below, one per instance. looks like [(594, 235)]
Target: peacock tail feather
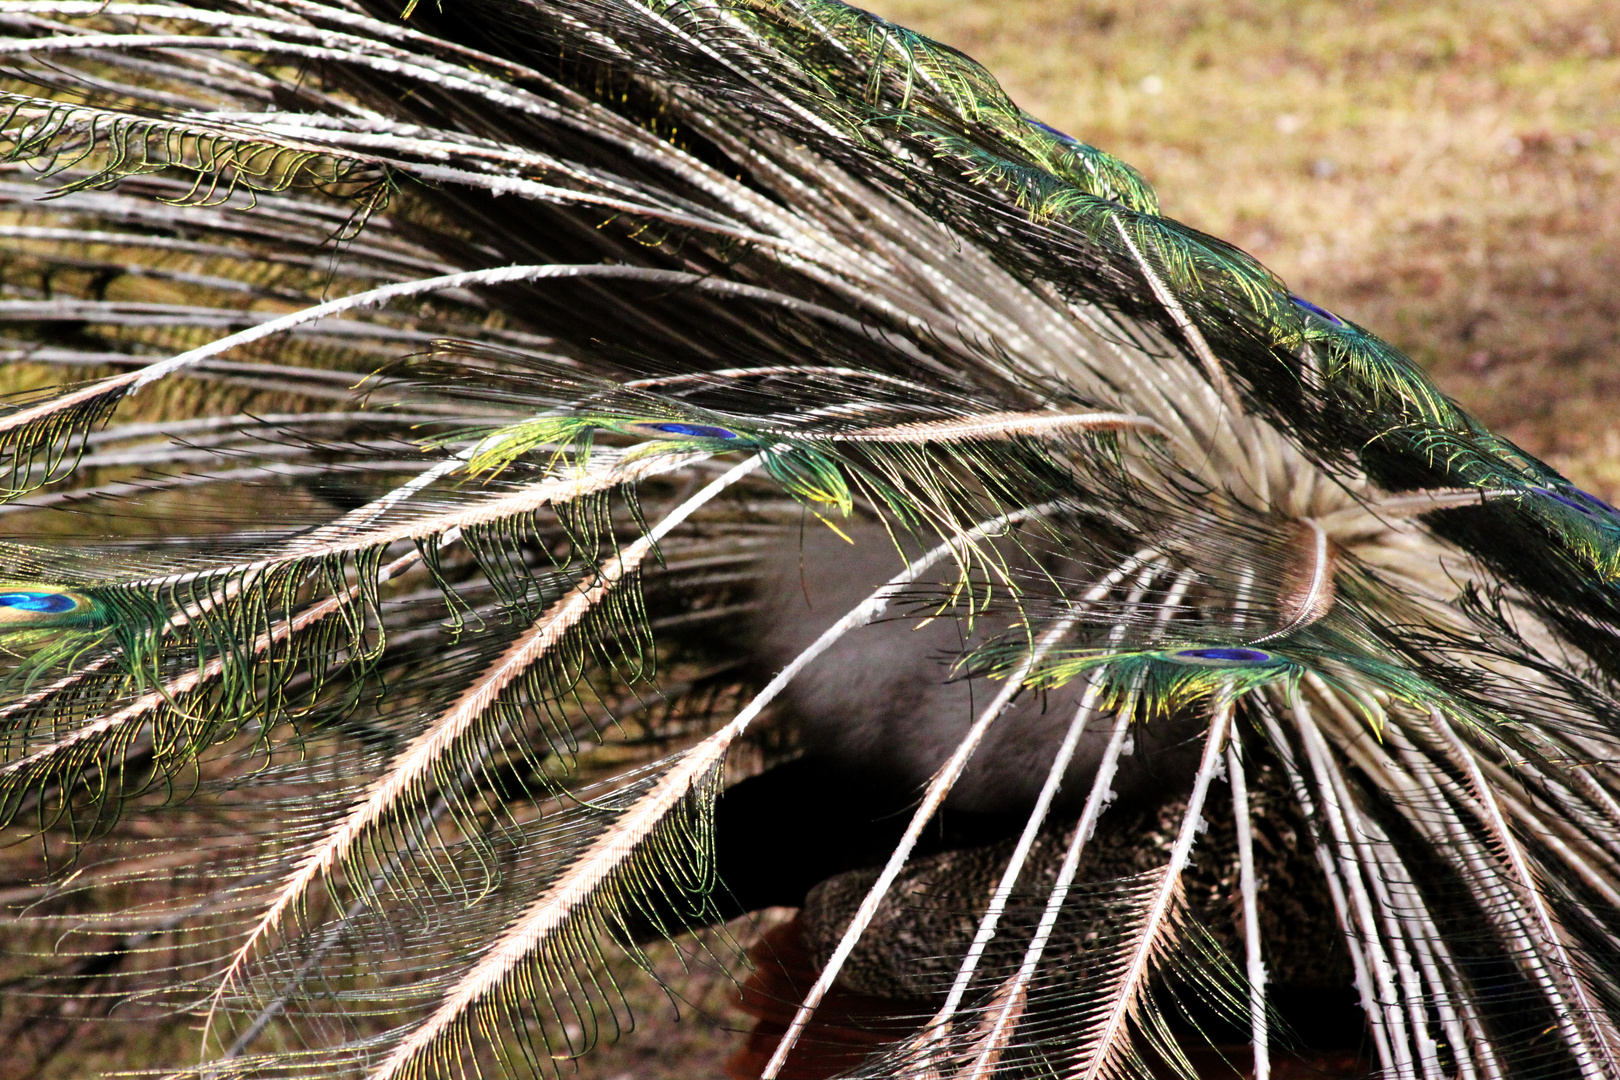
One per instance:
[(390, 620)]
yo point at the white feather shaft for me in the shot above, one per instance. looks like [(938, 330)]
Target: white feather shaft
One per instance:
[(1363, 839), (1244, 460), (1440, 974), (1096, 802), (1254, 963), (1032, 827), (1576, 1024), (552, 910), (131, 381), (1420, 929), (1336, 891), (605, 471), (933, 798), (1104, 1048), (1436, 816), (1387, 1000), (416, 762)]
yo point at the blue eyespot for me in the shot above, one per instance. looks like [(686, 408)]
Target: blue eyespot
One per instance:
[(1320, 312), (1224, 656), (25, 607), (42, 603), (678, 430)]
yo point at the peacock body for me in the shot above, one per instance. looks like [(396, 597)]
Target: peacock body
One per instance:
[(628, 465)]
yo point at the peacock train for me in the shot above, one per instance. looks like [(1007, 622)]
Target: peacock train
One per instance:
[(520, 513)]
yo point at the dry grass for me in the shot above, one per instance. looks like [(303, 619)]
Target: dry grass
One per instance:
[(1447, 174)]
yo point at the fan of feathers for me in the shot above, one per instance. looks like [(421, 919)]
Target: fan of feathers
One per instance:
[(611, 505)]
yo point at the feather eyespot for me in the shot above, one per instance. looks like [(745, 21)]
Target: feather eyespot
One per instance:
[(40, 607), (674, 429), (1225, 656), (45, 603), (1311, 309)]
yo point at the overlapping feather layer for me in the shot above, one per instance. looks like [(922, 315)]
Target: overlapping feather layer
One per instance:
[(375, 602)]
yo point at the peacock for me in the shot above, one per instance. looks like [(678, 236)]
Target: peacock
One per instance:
[(523, 512)]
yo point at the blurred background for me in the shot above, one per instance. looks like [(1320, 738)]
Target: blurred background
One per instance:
[(1446, 174)]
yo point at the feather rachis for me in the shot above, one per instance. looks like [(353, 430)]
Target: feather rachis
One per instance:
[(420, 757)]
